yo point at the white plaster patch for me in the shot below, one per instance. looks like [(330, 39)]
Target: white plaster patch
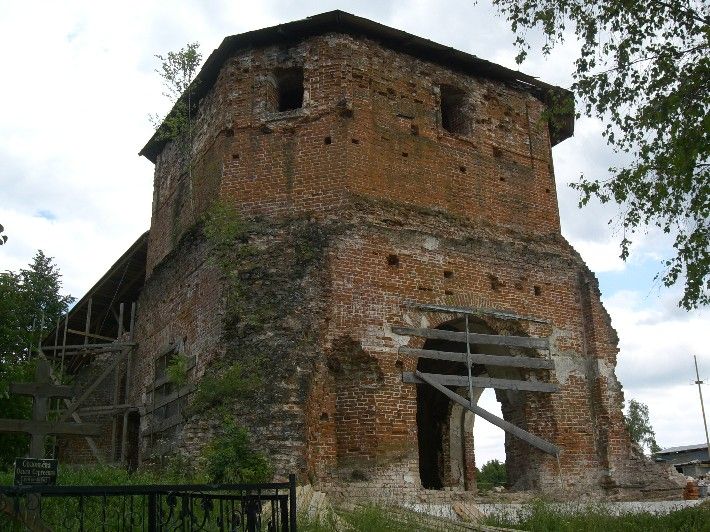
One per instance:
[(398, 339), (431, 243), (566, 366)]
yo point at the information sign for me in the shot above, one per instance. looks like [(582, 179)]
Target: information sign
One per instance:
[(35, 471)]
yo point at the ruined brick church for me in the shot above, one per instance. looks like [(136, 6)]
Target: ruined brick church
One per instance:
[(397, 218)]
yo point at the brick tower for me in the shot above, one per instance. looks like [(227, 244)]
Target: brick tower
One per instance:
[(386, 187)]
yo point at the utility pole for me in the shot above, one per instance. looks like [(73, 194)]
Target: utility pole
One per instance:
[(702, 405)]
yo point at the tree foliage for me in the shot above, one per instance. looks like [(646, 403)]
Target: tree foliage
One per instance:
[(492, 474), (177, 71), (639, 426), (3, 238), (25, 297), (644, 69)]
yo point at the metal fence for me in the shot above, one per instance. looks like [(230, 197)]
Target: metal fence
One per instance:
[(226, 507)]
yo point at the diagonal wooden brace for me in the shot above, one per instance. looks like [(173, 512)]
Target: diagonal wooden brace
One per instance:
[(524, 435)]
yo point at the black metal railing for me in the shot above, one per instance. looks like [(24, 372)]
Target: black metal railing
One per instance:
[(186, 508)]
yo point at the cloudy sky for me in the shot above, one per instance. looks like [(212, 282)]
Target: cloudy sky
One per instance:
[(79, 84)]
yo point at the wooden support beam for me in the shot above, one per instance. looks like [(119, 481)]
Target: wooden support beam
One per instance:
[(482, 382), (75, 404), (91, 335), (88, 321), (45, 389), (475, 338), (127, 389), (524, 435), (89, 440), (490, 360), (182, 392), (160, 426), (115, 346), (108, 409), (49, 427)]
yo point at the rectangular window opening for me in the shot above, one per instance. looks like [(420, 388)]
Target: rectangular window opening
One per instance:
[(289, 88), (454, 115)]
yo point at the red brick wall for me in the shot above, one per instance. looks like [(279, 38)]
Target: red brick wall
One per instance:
[(368, 151)]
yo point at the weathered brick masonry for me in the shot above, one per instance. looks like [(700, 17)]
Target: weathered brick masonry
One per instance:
[(408, 173)]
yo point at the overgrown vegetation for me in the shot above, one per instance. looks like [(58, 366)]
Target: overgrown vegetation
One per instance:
[(177, 71), (176, 369), (230, 458), (545, 517), (492, 474), (28, 298)]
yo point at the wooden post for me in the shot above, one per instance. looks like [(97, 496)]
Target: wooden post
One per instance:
[(64, 346), (88, 321), (38, 427), (124, 436)]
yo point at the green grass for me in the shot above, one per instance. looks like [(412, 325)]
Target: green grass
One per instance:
[(366, 518), (543, 517)]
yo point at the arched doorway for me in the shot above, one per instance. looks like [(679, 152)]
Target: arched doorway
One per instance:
[(444, 428)]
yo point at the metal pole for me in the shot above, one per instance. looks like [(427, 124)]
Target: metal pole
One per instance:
[(292, 502), (468, 364), (702, 405)]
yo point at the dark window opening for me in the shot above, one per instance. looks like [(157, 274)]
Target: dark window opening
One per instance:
[(454, 117), (392, 260), (537, 290), (289, 88)]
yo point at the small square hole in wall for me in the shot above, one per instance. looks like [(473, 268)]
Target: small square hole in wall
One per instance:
[(324, 416), (537, 290), (229, 132), (399, 364), (547, 190), (289, 88), (355, 141), (405, 154), (462, 169), (415, 129), (454, 116), (392, 260), (327, 140), (235, 156), (502, 179), (448, 293), (448, 274)]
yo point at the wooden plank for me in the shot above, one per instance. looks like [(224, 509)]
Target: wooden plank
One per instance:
[(89, 440), (157, 383), (115, 346), (475, 338), (44, 389), (491, 360), (49, 427), (164, 425), (483, 382), (91, 335), (524, 435), (75, 404), (99, 410), (182, 392)]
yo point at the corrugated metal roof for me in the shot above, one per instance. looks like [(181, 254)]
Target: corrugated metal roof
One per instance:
[(341, 22), (683, 448)]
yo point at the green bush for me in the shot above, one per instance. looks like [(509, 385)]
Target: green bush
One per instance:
[(177, 369), (13, 445), (493, 473), (230, 459), (238, 381)]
